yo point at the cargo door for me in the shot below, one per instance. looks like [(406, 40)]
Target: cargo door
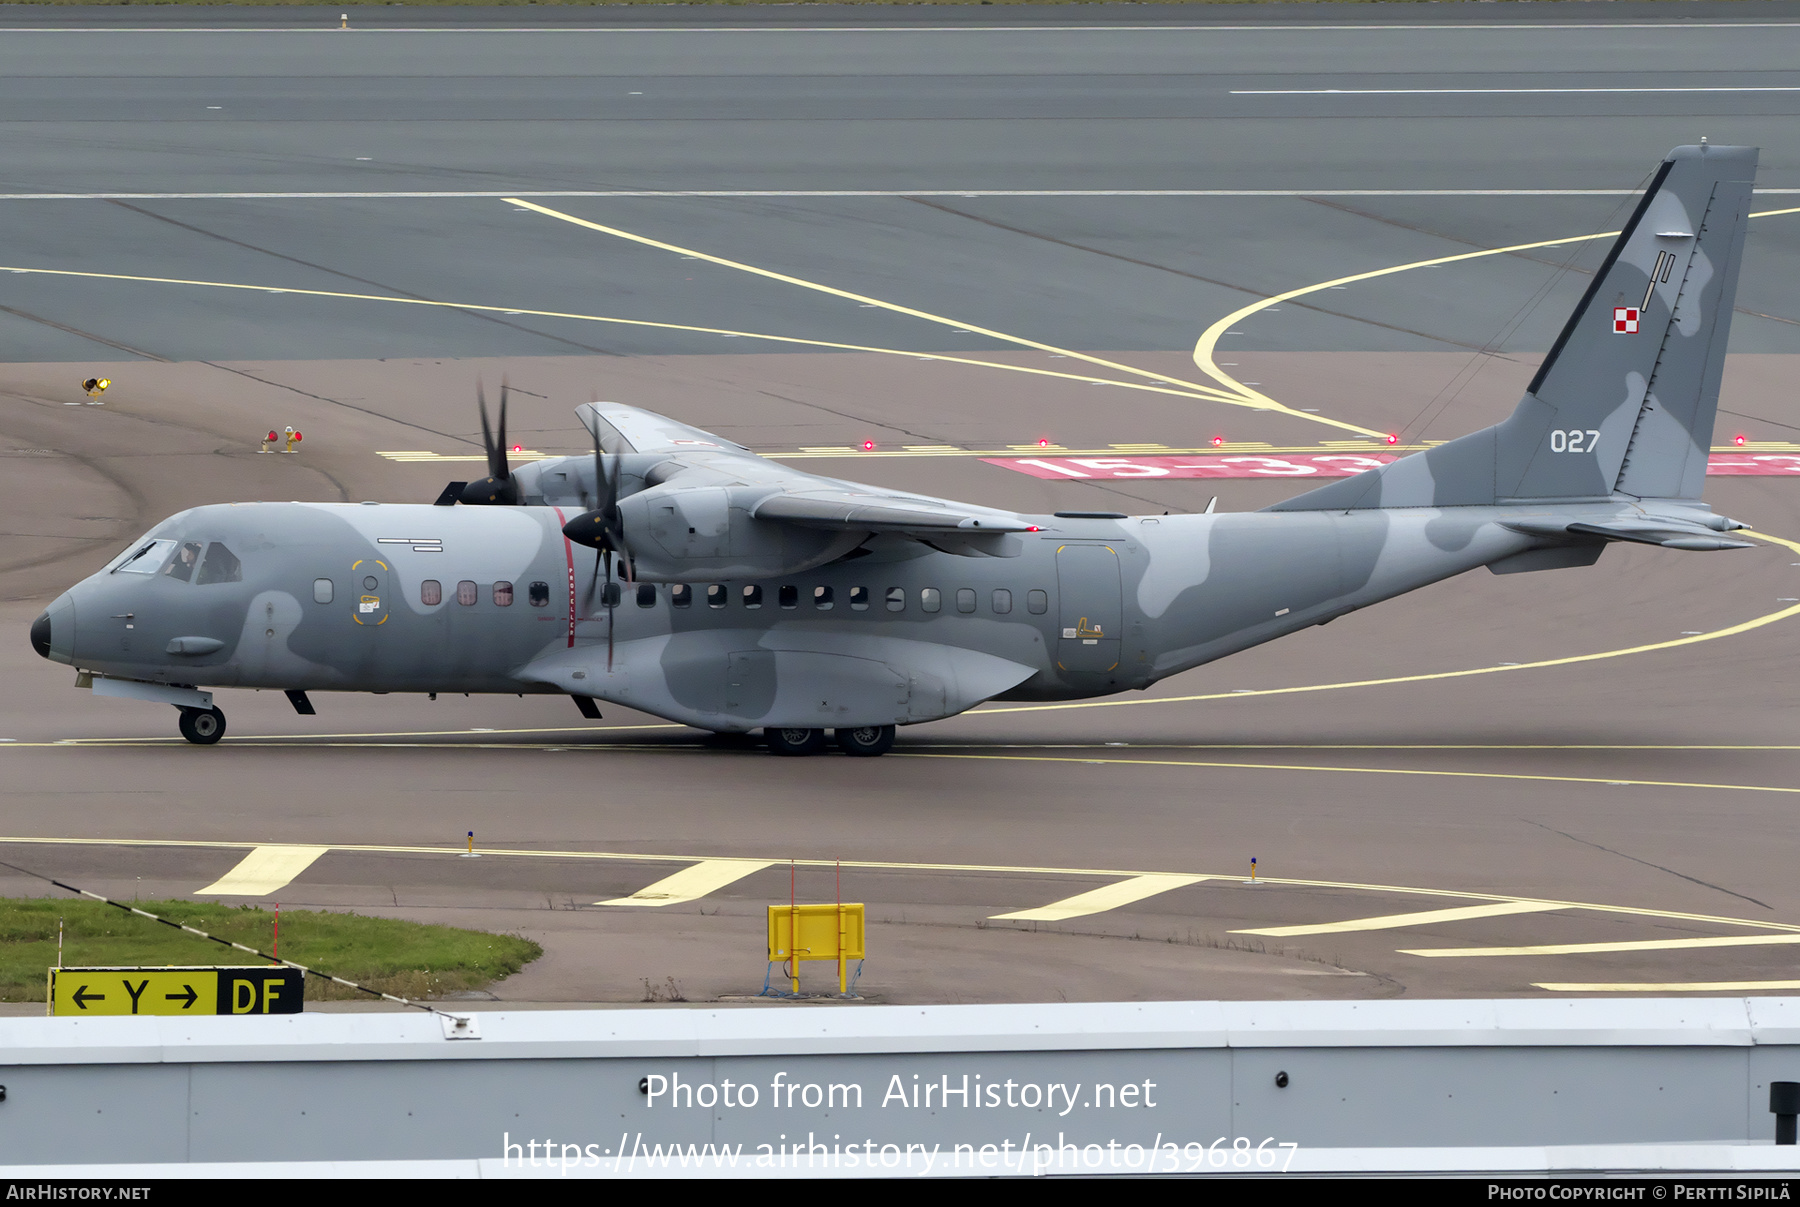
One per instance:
[(1091, 609)]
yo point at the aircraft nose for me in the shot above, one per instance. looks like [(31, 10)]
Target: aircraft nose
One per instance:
[(53, 633)]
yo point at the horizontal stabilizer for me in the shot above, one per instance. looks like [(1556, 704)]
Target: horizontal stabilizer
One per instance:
[(1649, 530)]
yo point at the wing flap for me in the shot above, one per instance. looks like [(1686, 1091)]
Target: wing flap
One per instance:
[(877, 513)]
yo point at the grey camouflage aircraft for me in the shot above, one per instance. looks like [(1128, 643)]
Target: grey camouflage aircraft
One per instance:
[(754, 596)]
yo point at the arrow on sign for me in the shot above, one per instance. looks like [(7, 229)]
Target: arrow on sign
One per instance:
[(186, 1002), (83, 997)]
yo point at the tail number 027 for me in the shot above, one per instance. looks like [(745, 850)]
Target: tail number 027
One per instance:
[(1574, 440)]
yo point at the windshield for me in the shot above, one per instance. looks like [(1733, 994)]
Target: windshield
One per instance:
[(146, 559)]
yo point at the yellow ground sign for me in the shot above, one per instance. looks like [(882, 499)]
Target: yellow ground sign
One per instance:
[(816, 932), (261, 989)]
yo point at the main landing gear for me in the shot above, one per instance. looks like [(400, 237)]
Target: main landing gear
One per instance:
[(202, 726), (864, 741)]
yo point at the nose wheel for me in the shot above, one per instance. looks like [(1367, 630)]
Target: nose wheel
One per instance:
[(202, 726)]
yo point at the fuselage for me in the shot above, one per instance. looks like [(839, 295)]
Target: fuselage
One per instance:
[(412, 598)]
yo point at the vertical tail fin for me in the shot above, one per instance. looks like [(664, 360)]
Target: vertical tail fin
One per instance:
[(1624, 403)]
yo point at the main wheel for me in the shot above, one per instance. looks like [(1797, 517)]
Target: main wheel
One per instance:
[(795, 741), (202, 726), (866, 741)]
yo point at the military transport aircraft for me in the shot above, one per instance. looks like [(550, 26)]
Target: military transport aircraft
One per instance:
[(678, 573)]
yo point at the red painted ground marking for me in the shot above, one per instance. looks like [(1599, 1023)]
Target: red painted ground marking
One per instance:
[(1334, 465), (1311, 465)]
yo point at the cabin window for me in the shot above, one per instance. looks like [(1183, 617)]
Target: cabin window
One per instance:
[(1002, 602), (965, 599), (822, 598), (896, 599), (753, 596), (431, 592), (646, 595), (680, 595), (715, 595), (221, 566), (503, 595), (147, 560), (539, 595), (1037, 602), (859, 599), (610, 594), (321, 590), (790, 597), (930, 599), (467, 593), (182, 565)]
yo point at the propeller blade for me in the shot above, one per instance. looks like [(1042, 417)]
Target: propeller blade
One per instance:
[(498, 488)]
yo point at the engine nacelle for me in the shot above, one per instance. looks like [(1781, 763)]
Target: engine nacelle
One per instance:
[(706, 533)]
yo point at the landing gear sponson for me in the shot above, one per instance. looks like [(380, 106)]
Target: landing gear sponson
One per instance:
[(865, 741)]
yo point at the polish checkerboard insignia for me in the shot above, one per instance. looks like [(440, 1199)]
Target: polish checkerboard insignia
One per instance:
[(1625, 320)]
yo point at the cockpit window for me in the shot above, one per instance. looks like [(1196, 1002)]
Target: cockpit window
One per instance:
[(148, 558), (221, 566), (182, 565)]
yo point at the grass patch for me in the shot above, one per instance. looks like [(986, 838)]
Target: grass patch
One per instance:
[(412, 959)]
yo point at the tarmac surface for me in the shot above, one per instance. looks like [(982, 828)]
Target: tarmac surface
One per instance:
[(1617, 813)]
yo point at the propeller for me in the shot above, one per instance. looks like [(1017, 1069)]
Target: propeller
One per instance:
[(603, 529), (499, 488)]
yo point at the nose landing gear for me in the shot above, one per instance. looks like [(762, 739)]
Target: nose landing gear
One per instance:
[(202, 726)]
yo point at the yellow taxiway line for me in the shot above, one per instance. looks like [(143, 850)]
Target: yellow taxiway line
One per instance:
[(1226, 765), (953, 868), (1576, 949), (1237, 395), (1207, 344), (1100, 900), (693, 882), (1675, 643), (1168, 386), (1428, 917), (263, 871), (1665, 986)]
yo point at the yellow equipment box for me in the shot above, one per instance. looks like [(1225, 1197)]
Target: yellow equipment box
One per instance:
[(816, 932)]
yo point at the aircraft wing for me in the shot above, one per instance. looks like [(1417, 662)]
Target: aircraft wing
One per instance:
[(622, 429), (710, 506)]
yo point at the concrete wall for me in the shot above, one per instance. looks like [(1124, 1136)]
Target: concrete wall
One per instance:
[(347, 1087)]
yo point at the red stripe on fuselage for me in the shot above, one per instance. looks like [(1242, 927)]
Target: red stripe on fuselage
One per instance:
[(569, 556)]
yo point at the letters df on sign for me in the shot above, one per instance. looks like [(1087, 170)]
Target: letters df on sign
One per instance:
[(260, 989)]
